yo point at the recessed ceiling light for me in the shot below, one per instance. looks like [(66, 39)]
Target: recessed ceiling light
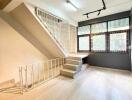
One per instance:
[(71, 5)]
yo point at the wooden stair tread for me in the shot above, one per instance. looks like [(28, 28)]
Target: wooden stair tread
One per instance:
[(70, 65), (68, 70), (73, 60)]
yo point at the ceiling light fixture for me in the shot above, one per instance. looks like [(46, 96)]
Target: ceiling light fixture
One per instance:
[(87, 16), (71, 5), (99, 10)]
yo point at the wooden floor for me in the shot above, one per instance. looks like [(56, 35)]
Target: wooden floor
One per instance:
[(94, 83)]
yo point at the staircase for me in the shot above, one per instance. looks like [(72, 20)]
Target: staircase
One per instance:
[(71, 67)]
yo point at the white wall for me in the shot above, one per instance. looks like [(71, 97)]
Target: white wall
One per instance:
[(15, 51), (40, 4), (73, 39)]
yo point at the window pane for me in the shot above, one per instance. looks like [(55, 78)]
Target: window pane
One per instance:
[(121, 24), (84, 30), (84, 43), (118, 42), (98, 43), (97, 28)]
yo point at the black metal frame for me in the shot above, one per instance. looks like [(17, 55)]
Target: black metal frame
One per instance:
[(127, 39), (107, 35), (99, 10), (68, 1)]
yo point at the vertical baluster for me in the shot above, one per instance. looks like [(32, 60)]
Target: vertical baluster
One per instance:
[(40, 70), (55, 67), (21, 79), (61, 62), (51, 69), (43, 72), (54, 26), (47, 76), (46, 70), (38, 73), (26, 81), (58, 66), (32, 76), (53, 64), (50, 73)]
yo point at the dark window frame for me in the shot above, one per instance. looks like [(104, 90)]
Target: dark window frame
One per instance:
[(107, 38), (103, 33), (127, 40), (78, 43)]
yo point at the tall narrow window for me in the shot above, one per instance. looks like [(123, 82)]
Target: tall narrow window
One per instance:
[(84, 43), (118, 42), (98, 36), (98, 43), (83, 38), (118, 38)]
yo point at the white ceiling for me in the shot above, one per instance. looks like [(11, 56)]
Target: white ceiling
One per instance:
[(113, 6), (59, 8)]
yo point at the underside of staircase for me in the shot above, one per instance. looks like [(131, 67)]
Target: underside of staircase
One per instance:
[(72, 66)]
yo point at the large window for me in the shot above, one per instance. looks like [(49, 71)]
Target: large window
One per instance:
[(97, 28), (118, 42), (108, 36), (84, 30), (120, 24), (83, 38), (98, 43), (118, 34), (98, 36), (84, 43)]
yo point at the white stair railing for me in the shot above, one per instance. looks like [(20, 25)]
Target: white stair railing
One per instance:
[(36, 74), (58, 28)]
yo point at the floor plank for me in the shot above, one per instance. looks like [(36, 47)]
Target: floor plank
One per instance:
[(94, 83)]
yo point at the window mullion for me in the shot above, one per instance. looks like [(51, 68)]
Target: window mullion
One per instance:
[(90, 44)]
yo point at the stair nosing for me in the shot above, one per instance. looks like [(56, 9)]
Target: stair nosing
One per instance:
[(71, 64), (73, 60), (68, 70)]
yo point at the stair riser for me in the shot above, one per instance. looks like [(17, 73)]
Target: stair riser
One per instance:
[(68, 61), (74, 58), (70, 67), (71, 75)]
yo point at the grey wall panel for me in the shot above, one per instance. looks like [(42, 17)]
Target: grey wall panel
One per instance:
[(110, 60)]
